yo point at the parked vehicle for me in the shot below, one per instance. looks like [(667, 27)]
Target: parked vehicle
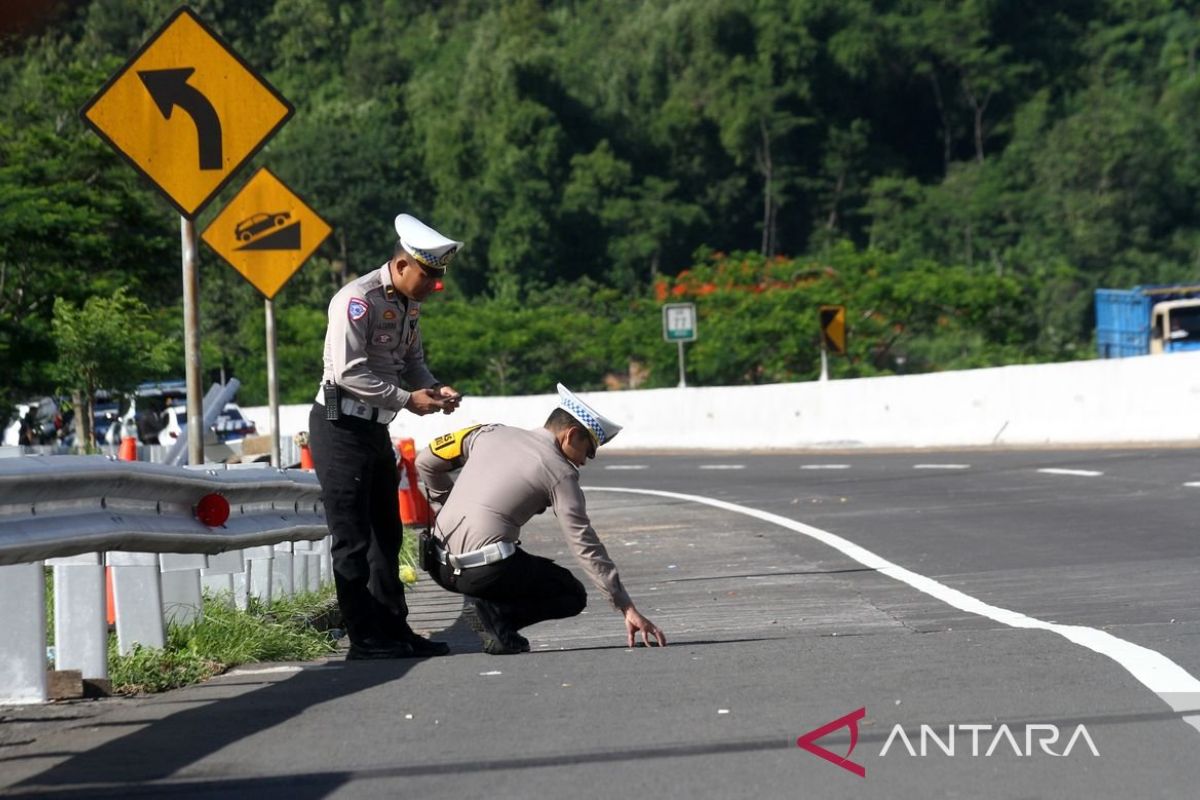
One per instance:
[(36, 422), (106, 422), (147, 407), (1147, 320), (230, 426)]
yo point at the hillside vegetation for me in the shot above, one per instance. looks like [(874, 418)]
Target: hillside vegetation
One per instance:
[(960, 174)]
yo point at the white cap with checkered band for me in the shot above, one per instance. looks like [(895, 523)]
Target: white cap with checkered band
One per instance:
[(424, 243), (601, 428)]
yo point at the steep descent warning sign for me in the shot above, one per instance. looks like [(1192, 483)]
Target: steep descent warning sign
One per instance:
[(187, 112), (266, 232)]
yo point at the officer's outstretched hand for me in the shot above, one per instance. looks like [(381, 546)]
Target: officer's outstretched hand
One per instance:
[(451, 398), (635, 622), (425, 401)]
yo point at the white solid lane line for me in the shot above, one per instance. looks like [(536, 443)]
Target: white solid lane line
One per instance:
[(625, 466), (722, 466), (1171, 682), (941, 466), (1193, 483), (1087, 473), (282, 669), (824, 466)]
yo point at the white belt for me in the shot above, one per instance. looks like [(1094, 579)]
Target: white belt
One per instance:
[(356, 409), (488, 554)]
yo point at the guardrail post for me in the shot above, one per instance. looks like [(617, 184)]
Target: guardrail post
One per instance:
[(218, 577), (183, 602), (326, 546), (312, 563), (300, 566), (80, 624), (259, 561), (23, 648), (137, 595), (283, 585)]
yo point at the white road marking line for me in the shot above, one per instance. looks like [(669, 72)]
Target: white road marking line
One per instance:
[(625, 466), (1174, 685), (1087, 473), (1193, 483), (722, 466), (941, 466), (824, 466), (265, 670)]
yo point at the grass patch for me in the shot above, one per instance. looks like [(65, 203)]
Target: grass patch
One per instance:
[(223, 638), (408, 548)]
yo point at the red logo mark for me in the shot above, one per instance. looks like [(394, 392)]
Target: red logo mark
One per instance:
[(808, 741)]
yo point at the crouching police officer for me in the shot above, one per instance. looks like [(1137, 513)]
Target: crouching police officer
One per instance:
[(374, 368), (508, 475)]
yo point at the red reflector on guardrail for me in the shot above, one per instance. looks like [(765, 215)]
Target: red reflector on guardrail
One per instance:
[(212, 510)]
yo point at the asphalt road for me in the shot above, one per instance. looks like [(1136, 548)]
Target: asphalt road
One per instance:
[(994, 592)]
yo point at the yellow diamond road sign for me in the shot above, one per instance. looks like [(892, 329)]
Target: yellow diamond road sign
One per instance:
[(833, 328), (266, 232), (187, 112)]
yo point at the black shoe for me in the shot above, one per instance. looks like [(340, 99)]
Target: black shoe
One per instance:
[(370, 649), (425, 648), (497, 640)]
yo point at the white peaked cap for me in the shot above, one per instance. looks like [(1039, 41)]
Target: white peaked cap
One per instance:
[(600, 427), (424, 243)]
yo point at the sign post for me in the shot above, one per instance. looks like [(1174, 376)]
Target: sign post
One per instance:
[(191, 341), (679, 325), (187, 113), (266, 233)]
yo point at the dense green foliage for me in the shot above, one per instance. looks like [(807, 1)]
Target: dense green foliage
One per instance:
[(959, 174)]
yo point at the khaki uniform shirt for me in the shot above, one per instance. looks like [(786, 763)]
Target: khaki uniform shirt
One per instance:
[(508, 475), (373, 343)]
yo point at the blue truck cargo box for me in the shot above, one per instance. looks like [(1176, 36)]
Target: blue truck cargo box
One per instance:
[(1122, 323)]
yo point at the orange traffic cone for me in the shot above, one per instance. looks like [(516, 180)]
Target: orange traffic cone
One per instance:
[(111, 606), (414, 510), (306, 461), (128, 451)]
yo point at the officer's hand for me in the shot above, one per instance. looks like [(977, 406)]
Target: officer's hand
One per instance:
[(425, 401), (635, 622), (451, 398)]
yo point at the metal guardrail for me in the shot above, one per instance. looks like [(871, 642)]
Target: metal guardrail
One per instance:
[(69, 505)]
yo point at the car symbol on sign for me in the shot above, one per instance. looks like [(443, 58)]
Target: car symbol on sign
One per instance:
[(256, 224)]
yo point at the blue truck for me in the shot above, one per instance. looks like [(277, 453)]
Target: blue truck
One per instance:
[(1147, 320)]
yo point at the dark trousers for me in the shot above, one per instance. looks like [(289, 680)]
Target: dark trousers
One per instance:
[(356, 465), (522, 589)]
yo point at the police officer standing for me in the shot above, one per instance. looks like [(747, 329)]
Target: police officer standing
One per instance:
[(374, 369)]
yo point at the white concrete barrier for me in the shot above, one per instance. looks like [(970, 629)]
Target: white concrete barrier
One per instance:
[(1111, 401)]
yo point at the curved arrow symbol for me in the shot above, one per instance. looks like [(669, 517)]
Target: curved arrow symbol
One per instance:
[(169, 88)]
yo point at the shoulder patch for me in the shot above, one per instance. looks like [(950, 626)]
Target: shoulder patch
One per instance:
[(449, 446), (357, 309)]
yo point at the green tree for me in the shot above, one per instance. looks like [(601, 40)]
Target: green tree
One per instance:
[(107, 343)]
